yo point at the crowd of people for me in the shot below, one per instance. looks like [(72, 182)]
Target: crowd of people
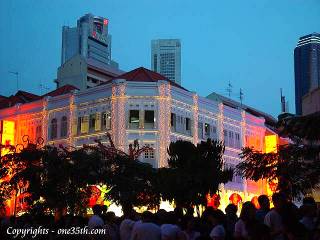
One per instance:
[(285, 221)]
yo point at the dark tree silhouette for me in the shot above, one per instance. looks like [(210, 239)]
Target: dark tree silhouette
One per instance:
[(131, 182), (296, 166), (193, 172)]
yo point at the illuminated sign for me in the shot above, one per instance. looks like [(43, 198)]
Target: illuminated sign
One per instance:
[(271, 144), (7, 135), (100, 37)]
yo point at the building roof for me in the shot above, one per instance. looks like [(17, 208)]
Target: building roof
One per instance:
[(61, 90), (142, 74), (26, 97), (19, 97), (270, 120)]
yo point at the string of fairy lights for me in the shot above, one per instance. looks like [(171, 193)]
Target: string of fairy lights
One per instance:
[(195, 118), (164, 125)]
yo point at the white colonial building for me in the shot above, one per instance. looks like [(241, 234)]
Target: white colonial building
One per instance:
[(142, 105)]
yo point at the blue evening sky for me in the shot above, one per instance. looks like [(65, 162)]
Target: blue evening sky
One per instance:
[(249, 43)]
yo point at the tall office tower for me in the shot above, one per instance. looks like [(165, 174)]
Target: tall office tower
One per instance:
[(89, 38), (306, 67), (166, 58)]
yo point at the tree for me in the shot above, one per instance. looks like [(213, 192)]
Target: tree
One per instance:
[(131, 182), (296, 165), (193, 172), (56, 178), (61, 177)]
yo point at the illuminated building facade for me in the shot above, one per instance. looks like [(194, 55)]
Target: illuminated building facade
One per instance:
[(144, 105)]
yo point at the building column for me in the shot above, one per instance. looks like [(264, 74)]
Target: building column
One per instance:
[(195, 119), (220, 126), (45, 124), (73, 120), (220, 137), (118, 114), (164, 117), (243, 144)]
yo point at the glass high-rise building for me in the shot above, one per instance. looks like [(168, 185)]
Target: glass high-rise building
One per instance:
[(166, 58), (89, 38), (306, 67)]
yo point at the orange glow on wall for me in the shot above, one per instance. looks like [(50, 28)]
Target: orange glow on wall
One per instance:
[(271, 143), (253, 142), (7, 136)]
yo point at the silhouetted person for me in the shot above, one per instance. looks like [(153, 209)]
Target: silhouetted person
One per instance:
[(231, 219), (264, 208), (273, 218), (96, 221)]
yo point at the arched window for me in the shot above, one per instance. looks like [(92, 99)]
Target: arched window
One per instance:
[(64, 127), (54, 128)]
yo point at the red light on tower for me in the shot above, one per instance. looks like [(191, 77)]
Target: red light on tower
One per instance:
[(105, 21)]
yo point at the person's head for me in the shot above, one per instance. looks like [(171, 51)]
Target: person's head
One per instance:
[(278, 199), (96, 209), (309, 207), (248, 212), (110, 217), (147, 216), (216, 217), (104, 209), (264, 202), (231, 210)]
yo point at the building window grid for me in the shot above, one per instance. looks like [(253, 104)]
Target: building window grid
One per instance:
[(149, 154), (64, 127), (54, 129)]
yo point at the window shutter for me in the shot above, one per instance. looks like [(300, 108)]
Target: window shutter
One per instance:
[(85, 124), (98, 122), (74, 126)]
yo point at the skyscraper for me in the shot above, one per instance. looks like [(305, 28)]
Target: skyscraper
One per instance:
[(306, 67), (89, 38), (166, 58)]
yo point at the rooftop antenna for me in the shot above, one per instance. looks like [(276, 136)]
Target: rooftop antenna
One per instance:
[(241, 96), (17, 78), (43, 87), (229, 89), (283, 102)]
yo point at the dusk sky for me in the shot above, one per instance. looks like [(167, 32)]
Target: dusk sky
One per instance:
[(249, 43)]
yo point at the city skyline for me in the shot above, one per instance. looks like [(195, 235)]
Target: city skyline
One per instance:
[(257, 57)]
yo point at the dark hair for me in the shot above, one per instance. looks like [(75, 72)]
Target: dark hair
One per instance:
[(278, 196), (262, 199), (245, 214), (147, 216), (219, 215), (231, 208), (96, 209)]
